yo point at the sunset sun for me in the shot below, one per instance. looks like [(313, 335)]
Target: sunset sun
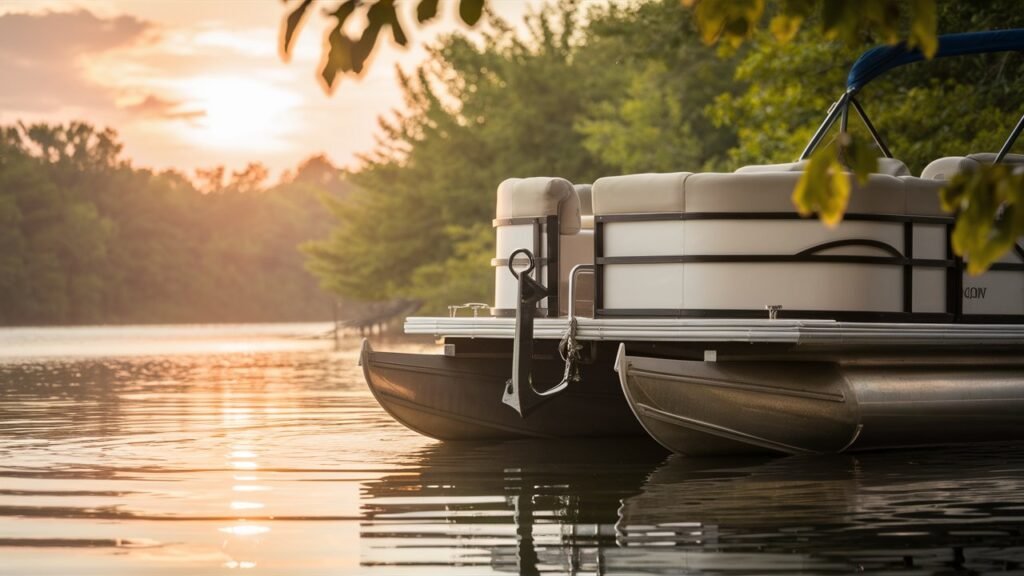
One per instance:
[(239, 113)]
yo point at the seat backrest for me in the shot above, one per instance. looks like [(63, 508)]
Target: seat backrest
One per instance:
[(947, 167), (639, 193), (538, 197), (990, 157), (889, 166), (773, 192)]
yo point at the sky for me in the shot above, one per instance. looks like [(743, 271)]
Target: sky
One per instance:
[(193, 84)]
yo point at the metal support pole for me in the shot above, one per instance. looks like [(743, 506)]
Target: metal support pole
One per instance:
[(833, 113), (871, 128), (1009, 141)]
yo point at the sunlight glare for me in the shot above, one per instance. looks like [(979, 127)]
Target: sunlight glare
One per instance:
[(239, 113), (245, 530)]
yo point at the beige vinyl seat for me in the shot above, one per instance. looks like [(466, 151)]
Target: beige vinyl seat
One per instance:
[(889, 166), (520, 200), (715, 261), (949, 166)]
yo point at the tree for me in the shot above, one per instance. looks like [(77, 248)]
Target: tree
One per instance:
[(418, 225)]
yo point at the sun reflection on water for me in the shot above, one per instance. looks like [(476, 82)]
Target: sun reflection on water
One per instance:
[(245, 530)]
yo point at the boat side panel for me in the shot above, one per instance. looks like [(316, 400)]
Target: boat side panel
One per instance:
[(699, 408), (459, 398)]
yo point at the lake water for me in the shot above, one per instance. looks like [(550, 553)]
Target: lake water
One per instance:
[(259, 450)]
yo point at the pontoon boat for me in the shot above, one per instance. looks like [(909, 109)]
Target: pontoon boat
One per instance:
[(732, 324)]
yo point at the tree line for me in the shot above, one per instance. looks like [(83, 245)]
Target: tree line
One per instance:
[(624, 88), (87, 238)]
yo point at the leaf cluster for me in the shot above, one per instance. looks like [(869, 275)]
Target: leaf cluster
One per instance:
[(989, 203), (348, 53)]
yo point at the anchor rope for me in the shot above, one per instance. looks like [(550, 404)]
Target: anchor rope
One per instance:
[(569, 349)]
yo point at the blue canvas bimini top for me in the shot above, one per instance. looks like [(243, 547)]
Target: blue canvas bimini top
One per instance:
[(881, 59)]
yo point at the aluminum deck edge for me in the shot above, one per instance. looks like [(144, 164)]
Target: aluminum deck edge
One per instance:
[(796, 332)]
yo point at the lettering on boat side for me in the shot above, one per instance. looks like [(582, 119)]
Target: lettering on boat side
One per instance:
[(975, 293)]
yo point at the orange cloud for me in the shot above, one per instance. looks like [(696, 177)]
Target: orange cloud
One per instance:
[(153, 106), (42, 57)]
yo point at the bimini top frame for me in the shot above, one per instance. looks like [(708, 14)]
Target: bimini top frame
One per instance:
[(881, 59)]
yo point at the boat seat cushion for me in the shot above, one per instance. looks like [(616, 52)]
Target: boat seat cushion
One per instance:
[(923, 196), (538, 197), (890, 166), (773, 191), (640, 193), (990, 157), (797, 166), (946, 168)]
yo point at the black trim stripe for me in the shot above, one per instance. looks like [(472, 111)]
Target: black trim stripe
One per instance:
[(783, 314), (908, 269), (498, 262), (672, 216), (1007, 266), (518, 221), (776, 258)]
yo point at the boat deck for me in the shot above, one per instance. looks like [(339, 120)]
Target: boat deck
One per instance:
[(824, 333)]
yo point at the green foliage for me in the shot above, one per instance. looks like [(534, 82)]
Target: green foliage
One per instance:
[(651, 116), (85, 238), (458, 278), (347, 54), (990, 204), (735, 21), (417, 226)]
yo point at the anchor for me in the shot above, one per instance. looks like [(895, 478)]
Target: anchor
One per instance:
[(520, 393)]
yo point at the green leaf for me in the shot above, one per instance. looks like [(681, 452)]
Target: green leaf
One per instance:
[(471, 10), (426, 10), (785, 27), (924, 23), (292, 23), (732, 20), (989, 202), (341, 52), (823, 188), (860, 156), (383, 14)]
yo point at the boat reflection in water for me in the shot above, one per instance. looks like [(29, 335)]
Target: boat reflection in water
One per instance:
[(534, 507), (932, 511), (523, 507)]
